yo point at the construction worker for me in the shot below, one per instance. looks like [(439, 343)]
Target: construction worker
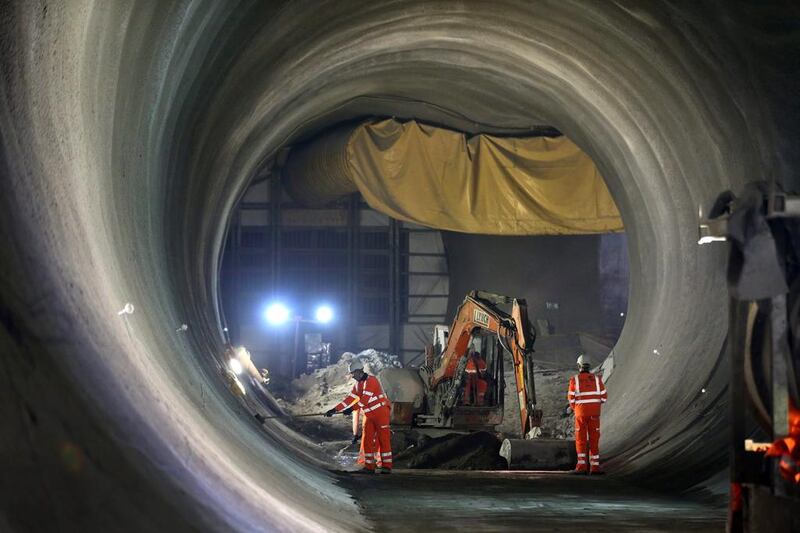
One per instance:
[(586, 394), (475, 386), (368, 395), (787, 449), (358, 423)]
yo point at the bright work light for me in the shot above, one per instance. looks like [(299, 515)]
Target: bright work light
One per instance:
[(324, 314), (277, 314)]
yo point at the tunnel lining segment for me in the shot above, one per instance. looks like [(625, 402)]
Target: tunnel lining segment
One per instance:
[(75, 135)]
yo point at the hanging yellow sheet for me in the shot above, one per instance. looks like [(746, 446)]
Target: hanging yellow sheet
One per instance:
[(482, 184)]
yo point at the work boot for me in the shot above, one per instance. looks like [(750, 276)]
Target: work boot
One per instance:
[(596, 472), (385, 471), (577, 472), (368, 471)]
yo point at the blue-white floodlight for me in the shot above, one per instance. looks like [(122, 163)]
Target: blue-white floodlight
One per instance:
[(277, 314), (324, 314)]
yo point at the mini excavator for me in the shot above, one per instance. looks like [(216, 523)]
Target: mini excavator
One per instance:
[(434, 399)]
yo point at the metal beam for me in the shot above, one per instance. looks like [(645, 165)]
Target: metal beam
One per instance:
[(275, 194), (353, 243), (394, 285), (780, 384)]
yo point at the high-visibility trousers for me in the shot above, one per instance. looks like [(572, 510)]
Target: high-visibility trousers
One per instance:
[(376, 439), (475, 390), (376, 456), (587, 443), (359, 418)]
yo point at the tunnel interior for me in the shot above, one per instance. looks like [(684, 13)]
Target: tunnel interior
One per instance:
[(299, 238), (131, 131), (391, 283)]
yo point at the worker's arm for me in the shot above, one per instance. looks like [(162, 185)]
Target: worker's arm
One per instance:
[(603, 394), (571, 393), (346, 404), (349, 400)]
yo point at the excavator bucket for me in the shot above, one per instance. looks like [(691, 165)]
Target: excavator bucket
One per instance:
[(539, 454)]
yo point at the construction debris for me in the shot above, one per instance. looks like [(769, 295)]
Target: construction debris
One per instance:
[(374, 361), (470, 451), (324, 388)]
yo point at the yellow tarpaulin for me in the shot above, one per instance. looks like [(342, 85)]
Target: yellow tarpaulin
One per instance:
[(482, 184)]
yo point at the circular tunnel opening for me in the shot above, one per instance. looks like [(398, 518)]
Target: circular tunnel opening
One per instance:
[(158, 116), (654, 188)]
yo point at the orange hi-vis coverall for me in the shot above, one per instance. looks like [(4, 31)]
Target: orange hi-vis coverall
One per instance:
[(358, 422), (375, 435), (787, 449), (475, 386), (586, 394)]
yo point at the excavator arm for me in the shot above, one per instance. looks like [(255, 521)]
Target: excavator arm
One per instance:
[(480, 311)]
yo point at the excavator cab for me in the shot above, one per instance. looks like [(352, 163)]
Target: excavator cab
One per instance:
[(472, 399), (463, 376), (483, 386)]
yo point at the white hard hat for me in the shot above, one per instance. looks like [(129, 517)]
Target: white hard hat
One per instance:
[(583, 360), (355, 364)]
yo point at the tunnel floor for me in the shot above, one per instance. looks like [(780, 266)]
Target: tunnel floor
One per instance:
[(522, 501)]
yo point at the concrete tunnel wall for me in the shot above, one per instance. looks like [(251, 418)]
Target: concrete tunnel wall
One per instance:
[(130, 128)]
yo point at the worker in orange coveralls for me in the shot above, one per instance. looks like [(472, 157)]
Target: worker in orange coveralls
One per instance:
[(788, 448), (358, 423), (368, 395), (586, 394), (475, 386)]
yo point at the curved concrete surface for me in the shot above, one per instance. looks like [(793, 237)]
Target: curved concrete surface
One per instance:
[(130, 128)]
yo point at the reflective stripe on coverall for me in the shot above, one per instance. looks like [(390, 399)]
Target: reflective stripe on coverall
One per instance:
[(475, 386), (586, 394), (358, 418), (375, 435)]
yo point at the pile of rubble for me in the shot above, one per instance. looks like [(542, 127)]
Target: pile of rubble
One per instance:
[(325, 387)]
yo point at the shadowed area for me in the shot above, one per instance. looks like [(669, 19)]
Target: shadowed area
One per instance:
[(130, 129), (526, 501)]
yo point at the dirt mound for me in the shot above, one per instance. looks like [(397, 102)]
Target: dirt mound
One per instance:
[(374, 361), (473, 451), (325, 387)]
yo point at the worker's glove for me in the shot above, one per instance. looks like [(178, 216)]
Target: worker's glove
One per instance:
[(330, 412), (356, 438), (347, 411)]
